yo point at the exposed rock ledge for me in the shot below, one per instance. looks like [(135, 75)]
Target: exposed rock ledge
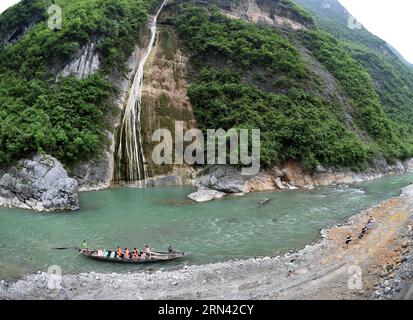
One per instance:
[(85, 63), (291, 176), (269, 12), (40, 184)]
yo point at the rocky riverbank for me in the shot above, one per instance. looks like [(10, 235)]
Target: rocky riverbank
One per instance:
[(394, 278), (219, 181), (327, 269), (42, 183)]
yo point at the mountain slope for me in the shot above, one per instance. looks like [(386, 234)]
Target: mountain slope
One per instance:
[(65, 118), (377, 135), (266, 86), (320, 93), (393, 80)]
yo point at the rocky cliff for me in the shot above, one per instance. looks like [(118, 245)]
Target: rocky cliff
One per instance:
[(278, 13), (40, 183), (165, 97)]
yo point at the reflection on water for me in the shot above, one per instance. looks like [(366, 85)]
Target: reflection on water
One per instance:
[(265, 223)]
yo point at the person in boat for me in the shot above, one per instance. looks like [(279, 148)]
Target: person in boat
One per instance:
[(85, 246), (147, 250), (119, 252), (170, 249), (135, 254), (126, 253)]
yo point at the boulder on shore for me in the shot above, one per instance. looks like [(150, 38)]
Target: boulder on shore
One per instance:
[(407, 191), (40, 184), (204, 195), (224, 178)]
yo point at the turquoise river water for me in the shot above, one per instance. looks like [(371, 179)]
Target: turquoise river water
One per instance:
[(215, 231)]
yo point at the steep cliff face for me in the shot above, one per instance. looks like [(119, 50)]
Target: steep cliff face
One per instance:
[(84, 63), (40, 183), (165, 96), (99, 172), (320, 94), (62, 90), (280, 13)]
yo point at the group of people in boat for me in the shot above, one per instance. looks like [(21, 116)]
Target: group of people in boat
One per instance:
[(133, 254)]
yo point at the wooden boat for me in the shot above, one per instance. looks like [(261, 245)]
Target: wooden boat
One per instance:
[(110, 256)]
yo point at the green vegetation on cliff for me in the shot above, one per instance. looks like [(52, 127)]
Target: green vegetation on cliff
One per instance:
[(65, 118), (242, 75), (17, 19), (358, 86), (392, 78), (393, 82), (295, 124), (239, 44), (233, 59), (297, 11)]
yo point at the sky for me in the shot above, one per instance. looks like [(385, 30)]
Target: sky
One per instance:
[(4, 4), (390, 20)]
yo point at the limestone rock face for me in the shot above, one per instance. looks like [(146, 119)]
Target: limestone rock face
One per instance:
[(270, 12), (40, 184), (16, 34), (225, 179), (183, 176), (94, 174), (264, 181), (409, 165), (294, 175), (85, 63)]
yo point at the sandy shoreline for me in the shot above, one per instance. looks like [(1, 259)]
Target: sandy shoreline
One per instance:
[(379, 266)]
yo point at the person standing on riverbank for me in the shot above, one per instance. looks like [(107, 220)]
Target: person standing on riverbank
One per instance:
[(370, 225), (291, 268), (348, 240)]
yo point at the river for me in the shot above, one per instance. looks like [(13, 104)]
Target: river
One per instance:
[(221, 230)]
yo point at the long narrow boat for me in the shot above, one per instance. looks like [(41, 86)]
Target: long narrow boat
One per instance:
[(110, 256)]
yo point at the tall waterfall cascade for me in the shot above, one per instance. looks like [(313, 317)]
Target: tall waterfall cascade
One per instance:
[(130, 162)]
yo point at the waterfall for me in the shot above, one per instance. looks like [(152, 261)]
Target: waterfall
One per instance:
[(130, 159)]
